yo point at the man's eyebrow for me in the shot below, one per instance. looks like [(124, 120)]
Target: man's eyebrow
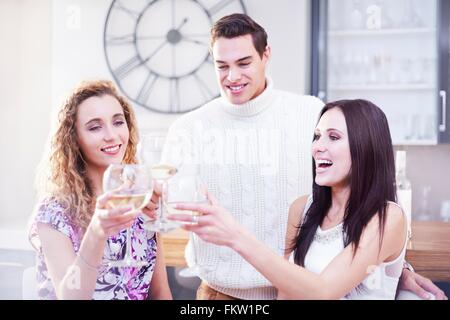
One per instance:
[(244, 58), (239, 60)]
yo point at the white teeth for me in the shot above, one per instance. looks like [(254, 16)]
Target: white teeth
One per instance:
[(322, 161), (111, 149), (236, 88)]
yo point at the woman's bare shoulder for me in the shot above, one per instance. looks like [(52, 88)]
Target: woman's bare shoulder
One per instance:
[(297, 207)]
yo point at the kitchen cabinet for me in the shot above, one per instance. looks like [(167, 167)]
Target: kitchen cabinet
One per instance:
[(393, 53)]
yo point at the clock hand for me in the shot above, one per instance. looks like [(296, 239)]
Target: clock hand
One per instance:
[(200, 35), (174, 36), (154, 52), (173, 14), (189, 37), (174, 62), (185, 20), (136, 61), (171, 37), (150, 37), (201, 43)]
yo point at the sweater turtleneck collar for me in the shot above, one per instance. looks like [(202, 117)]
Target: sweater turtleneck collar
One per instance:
[(252, 107)]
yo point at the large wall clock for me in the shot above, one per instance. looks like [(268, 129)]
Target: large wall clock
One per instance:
[(157, 50)]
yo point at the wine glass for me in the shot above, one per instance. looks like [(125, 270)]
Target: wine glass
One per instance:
[(424, 213), (445, 211), (130, 185), (186, 187), (150, 151)]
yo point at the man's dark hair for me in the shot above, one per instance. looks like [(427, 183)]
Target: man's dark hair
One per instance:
[(239, 24)]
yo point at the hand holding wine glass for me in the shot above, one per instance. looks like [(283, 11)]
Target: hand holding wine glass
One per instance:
[(215, 224), (106, 221), (129, 186), (151, 209)]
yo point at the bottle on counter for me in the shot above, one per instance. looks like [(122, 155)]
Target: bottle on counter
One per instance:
[(404, 191)]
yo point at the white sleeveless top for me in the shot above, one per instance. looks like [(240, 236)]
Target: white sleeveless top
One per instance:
[(380, 284)]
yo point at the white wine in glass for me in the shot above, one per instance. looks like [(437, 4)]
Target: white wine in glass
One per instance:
[(131, 185), (150, 150), (163, 171), (136, 201)]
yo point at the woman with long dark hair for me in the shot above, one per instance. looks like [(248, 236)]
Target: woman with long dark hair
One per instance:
[(347, 239)]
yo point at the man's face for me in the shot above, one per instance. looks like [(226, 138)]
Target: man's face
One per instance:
[(239, 68)]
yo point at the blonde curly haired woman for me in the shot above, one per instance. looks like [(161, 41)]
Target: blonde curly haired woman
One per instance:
[(69, 230)]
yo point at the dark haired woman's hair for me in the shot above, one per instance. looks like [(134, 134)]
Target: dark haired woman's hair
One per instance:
[(371, 178), (236, 25)]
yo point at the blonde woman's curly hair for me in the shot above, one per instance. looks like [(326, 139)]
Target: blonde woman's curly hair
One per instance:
[(67, 181)]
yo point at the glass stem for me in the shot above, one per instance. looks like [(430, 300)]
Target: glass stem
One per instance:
[(160, 209), (128, 253), (162, 199), (193, 250)]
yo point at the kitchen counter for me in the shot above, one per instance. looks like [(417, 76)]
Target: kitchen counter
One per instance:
[(428, 250), (174, 243)]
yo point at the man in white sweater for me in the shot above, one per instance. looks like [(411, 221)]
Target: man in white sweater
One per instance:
[(252, 148)]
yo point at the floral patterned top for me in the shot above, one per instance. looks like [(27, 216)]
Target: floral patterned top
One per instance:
[(127, 283)]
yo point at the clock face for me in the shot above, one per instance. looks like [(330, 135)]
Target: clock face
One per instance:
[(158, 50)]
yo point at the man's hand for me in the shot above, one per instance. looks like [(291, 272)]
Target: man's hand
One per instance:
[(152, 207), (419, 285)]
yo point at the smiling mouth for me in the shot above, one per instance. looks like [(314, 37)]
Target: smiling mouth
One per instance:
[(236, 88), (111, 149), (321, 163)]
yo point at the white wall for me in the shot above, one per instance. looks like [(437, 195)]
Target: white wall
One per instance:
[(287, 25), (47, 48), (25, 88)]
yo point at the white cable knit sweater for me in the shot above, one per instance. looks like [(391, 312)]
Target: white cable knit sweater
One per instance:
[(256, 159)]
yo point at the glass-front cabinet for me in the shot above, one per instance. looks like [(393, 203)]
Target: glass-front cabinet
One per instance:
[(394, 53)]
